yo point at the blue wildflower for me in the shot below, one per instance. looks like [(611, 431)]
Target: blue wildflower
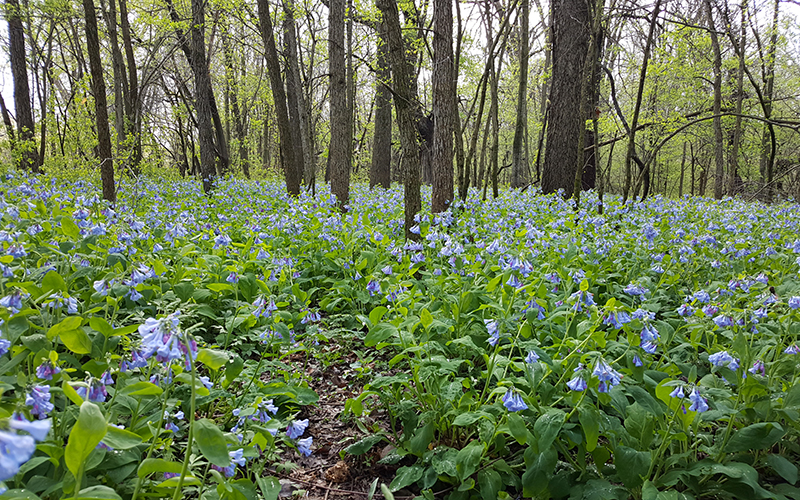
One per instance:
[(296, 428), (39, 401), (513, 401), (699, 403), (304, 446)]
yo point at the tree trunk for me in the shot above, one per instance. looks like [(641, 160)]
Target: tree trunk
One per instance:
[(404, 103), (519, 161), (340, 149), (233, 91), (28, 157), (133, 106), (100, 105), (290, 164), (118, 66), (683, 168), (719, 160), (767, 158), (571, 35), (443, 105), (203, 95), (733, 161), (294, 94), (380, 171)]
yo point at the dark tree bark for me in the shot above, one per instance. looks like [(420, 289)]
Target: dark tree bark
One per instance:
[(100, 104), (443, 105), (380, 171), (28, 157), (203, 94), (519, 160), (294, 90), (733, 161), (571, 34), (719, 160), (290, 164), (133, 107), (340, 150), (406, 109)]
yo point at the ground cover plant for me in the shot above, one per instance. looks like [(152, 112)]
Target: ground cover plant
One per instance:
[(157, 348)]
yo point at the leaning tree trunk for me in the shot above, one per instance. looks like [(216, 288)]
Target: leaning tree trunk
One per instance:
[(570, 35), (443, 104), (100, 105), (290, 164), (340, 150), (28, 157), (380, 171)]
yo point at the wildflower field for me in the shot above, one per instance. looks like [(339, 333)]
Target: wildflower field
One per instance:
[(248, 345)]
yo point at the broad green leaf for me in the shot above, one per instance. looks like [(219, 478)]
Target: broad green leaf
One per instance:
[(99, 324), (141, 388), (71, 393), (758, 436), (631, 465), (363, 446), (85, 435), (213, 359), (783, 467), (547, 427), (380, 333), (406, 476), (151, 465), (69, 228), (468, 459), (422, 438), (589, 418), (77, 341), (67, 324), (270, 487), (376, 314), (426, 318), (53, 282), (517, 428), (98, 493), (120, 439), (538, 471), (19, 494), (212, 442)]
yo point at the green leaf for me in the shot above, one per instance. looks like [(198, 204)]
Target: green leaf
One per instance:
[(517, 428), (539, 470), (783, 467), (212, 442), (468, 459), (377, 314), (53, 282), (489, 484), (141, 388), (99, 324), (186, 378), (589, 418), (67, 324), (184, 290), (19, 494), (270, 487), (212, 358), (86, 434), (98, 493), (426, 318), (631, 465), (233, 368), (69, 228), (547, 427), (758, 436), (151, 465), (188, 480), (406, 476), (380, 333), (77, 341), (422, 438), (120, 439), (71, 393), (363, 446), (386, 492)]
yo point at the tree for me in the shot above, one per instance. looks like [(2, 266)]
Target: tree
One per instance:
[(380, 171), (28, 157), (290, 163), (519, 160), (443, 105), (100, 105), (571, 35), (203, 94), (719, 160), (339, 153)]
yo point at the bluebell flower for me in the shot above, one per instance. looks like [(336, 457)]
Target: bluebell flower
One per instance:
[(758, 367), (649, 346), (792, 349), (304, 446), (102, 287), (163, 338), (222, 240), (677, 392), (12, 302), (15, 450), (134, 295), (39, 401), (237, 458), (494, 334), (296, 428), (513, 401), (635, 290), (685, 310), (699, 403), (17, 251), (722, 358), (232, 278), (5, 345), (373, 287), (46, 370), (710, 310), (387, 270), (577, 383), (38, 429), (532, 357), (794, 302), (206, 382), (723, 321), (513, 281), (702, 296), (637, 361), (608, 376)]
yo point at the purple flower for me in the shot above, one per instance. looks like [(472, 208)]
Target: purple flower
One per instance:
[(304, 446), (792, 349), (710, 310), (608, 376), (758, 367), (232, 278), (513, 401), (373, 287), (296, 428), (637, 361), (262, 308), (39, 401), (532, 357), (46, 370), (494, 335), (699, 403), (102, 287), (649, 346), (794, 302), (4, 346), (513, 281), (635, 290), (12, 302), (15, 450), (577, 384), (685, 310), (163, 338), (722, 358), (677, 392), (237, 458), (702, 296), (38, 429), (723, 321)]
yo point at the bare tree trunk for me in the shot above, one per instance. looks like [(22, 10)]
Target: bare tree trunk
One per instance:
[(28, 157), (405, 107), (133, 106), (118, 66), (683, 168), (380, 172), (630, 154), (294, 93), (203, 95), (340, 148), (719, 160), (290, 165), (767, 159), (733, 160), (443, 104), (100, 105), (233, 91), (519, 161)]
